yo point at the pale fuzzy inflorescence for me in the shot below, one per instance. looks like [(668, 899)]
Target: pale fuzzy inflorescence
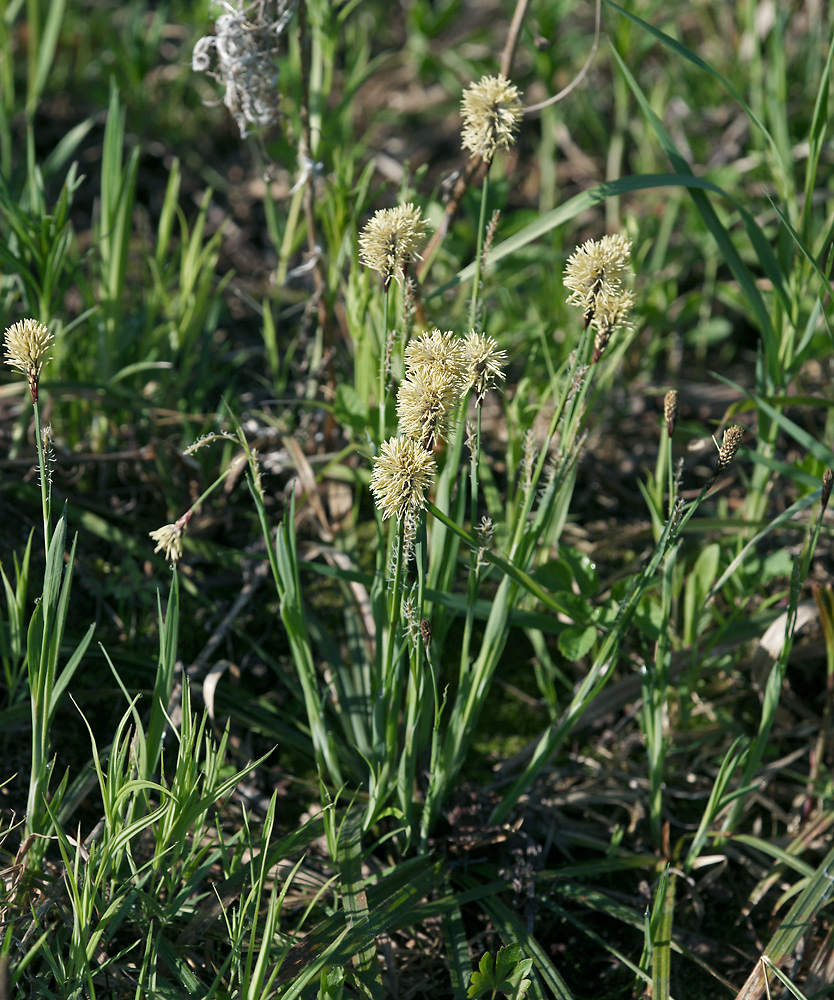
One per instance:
[(436, 350), (610, 316), (491, 110), (391, 239), (425, 401), (485, 363), (242, 55), (168, 538), (27, 350), (403, 472), (594, 276), (27, 347)]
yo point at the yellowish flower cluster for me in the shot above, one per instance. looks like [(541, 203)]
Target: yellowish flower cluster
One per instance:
[(27, 349), (491, 110), (391, 239), (169, 537), (403, 472), (440, 369), (594, 276)]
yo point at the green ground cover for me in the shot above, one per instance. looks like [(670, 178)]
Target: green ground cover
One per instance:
[(341, 657)]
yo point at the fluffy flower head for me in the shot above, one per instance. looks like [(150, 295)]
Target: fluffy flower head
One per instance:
[(436, 350), (594, 273), (391, 239), (491, 110), (27, 350), (402, 475), (168, 538), (27, 346), (425, 401), (485, 363), (609, 315)]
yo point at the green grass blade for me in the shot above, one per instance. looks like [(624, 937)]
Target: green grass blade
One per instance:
[(713, 224), (46, 46), (686, 53), (354, 899), (794, 927), (662, 918)]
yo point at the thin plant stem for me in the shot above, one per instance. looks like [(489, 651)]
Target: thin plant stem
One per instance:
[(383, 361), (46, 497), (561, 414), (472, 594), (476, 281), (310, 79), (389, 682)]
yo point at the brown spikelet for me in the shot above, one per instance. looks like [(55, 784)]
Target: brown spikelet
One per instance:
[(729, 446), (827, 483), (670, 410), (600, 343)]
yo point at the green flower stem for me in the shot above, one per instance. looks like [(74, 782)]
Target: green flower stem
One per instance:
[(472, 593), (590, 686), (391, 680), (506, 567), (46, 493), (382, 362), (476, 281), (655, 685), (288, 241), (209, 490), (418, 719), (560, 411)]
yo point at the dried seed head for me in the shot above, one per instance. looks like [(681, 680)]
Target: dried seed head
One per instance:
[(729, 446), (594, 275), (27, 348), (827, 482), (489, 235), (485, 363), (390, 240), (242, 56), (670, 410), (491, 110), (169, 537), (403, 473), (425, 401)]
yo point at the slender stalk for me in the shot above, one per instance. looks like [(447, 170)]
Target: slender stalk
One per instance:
[(384, 361), (46, 493), (307, 147), (472, 592), (476, 281), (392, 677)]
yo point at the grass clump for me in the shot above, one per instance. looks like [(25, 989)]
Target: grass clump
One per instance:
[(460, 663)]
